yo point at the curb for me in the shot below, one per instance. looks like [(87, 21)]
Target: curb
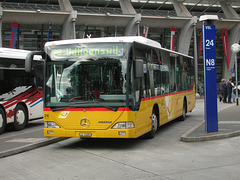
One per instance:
[(30, 147), (184, 137)]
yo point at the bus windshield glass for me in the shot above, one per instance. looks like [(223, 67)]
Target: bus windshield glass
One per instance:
[(86, 75)]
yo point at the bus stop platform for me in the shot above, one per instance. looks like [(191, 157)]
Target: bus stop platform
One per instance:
[(24, 141), (228, 125)]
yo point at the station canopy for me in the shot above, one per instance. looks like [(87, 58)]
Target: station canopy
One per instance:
[(145, 7), (155, 13)]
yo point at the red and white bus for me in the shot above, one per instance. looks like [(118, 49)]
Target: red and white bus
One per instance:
[(21, 96)]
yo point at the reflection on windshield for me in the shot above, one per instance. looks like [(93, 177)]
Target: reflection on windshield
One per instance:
[(79, 82)]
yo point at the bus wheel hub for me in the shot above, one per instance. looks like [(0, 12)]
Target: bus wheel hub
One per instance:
[(20, 117)]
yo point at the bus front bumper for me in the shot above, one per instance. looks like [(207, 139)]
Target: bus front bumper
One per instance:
[(111, 133)]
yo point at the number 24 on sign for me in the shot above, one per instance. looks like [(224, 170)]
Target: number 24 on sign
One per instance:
[(209, 42)]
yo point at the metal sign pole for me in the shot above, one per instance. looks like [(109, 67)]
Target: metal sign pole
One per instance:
[(236, 79), (210, 74), (235, 49)]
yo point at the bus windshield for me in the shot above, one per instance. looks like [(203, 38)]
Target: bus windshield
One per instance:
[(86, 76)]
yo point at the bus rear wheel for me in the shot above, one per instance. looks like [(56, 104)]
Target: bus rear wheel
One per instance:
[(184, 111), (20, 118), (2, 121), (154, 129)]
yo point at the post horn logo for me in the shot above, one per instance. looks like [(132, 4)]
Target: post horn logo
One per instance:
[(85, 123)]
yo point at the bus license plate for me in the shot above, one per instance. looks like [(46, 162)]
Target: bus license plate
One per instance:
[(85, 134)]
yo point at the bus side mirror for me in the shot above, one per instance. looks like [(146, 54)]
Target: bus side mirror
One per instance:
[(138, 68), (29, 60)]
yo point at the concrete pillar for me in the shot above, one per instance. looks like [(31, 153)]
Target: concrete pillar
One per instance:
[(186, 32), (132, 28), (65, 5), (68, 29), (180, 9), (127, 7), (234, 37), (186, 35), (1, 13), (228, 10)]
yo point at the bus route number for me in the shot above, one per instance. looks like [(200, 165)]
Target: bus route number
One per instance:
[(209, 42), (210, 62)]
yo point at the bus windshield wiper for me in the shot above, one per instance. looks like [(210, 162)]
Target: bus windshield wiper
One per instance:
[(111, 108), (58, 108), (91, 102)]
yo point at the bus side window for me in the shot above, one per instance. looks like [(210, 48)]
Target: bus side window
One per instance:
[(140, 84), (147, 68), (138, 92), (155, 73), (164, 72), (157, 80), (189, 73), (172, 73), (145, 81), (179, 73)]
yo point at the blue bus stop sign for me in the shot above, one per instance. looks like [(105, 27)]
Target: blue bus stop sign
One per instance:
[(210, 79)]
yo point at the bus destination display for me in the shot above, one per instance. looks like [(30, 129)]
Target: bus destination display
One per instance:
[(85, 51)]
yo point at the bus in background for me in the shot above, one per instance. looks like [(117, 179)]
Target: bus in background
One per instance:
[(21, 96), (114, 87)]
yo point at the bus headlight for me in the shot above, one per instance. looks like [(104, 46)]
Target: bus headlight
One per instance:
[(123, 125), (49, 124)]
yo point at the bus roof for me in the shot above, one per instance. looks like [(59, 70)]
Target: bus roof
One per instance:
[(16, 54), (138, 39)]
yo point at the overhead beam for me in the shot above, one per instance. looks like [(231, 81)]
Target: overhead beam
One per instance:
[(34, 17), (58, 17)]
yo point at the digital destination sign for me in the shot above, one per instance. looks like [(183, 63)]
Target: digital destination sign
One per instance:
[(85, 51)]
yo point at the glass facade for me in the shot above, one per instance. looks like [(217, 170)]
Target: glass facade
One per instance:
[(30, 37)]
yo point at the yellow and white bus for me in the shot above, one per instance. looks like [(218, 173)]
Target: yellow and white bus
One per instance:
[(114, 87)]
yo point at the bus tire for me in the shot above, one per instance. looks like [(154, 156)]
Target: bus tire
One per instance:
[(20, 118), (2, 121), (154, 125), (184, 111)]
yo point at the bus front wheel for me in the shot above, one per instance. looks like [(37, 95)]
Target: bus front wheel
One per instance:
[(2, 121), (154, 129), (20, 118)]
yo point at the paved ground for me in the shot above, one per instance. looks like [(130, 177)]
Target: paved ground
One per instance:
[(164, 157), (229, 126)]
